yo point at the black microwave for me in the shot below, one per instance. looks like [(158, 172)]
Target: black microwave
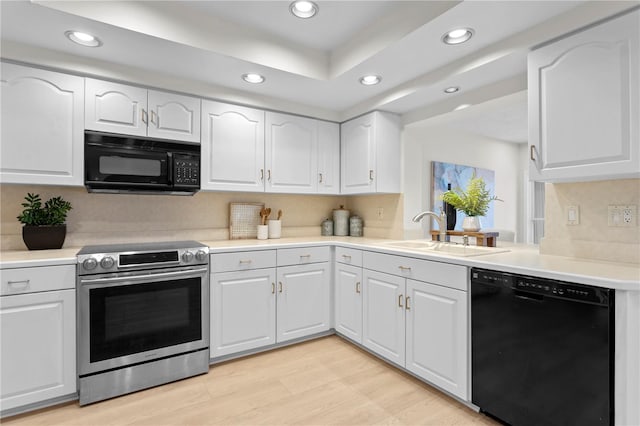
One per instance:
[(131, 164)]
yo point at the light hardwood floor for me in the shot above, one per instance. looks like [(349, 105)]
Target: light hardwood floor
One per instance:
[(322, 382)]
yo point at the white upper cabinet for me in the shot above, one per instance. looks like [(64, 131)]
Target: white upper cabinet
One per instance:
[(232, 148), (173, 116), (584, 104), (328, 158), (119, 108), (42, 127), (370, 154), (291, 147)]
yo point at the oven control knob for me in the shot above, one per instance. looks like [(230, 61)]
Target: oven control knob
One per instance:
[(90, 264), (187, 256), (107, 262), (201, 255)]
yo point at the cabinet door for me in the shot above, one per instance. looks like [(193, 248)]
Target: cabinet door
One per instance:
[(357, 160), (303, 301), (348, 301), (328, 158), (437, 335), (232, 148), (115, 108), (38, 351), (383, 315), (175, 117), (42, 127), (291, 160), (584, 104), (243, 314)]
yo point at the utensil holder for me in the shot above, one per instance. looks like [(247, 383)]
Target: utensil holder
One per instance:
[(275, 228), (263, 232)]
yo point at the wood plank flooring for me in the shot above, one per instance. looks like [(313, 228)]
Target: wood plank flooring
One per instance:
[(322, 382)]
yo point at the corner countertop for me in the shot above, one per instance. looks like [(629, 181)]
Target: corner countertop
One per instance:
[(520, 259)]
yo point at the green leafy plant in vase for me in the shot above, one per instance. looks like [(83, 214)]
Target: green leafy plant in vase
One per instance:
[(473, 201), (44, 224)]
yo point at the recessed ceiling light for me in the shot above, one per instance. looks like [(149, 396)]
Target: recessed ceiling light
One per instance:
[(457, 36), (253, 78), (83, 39), (463, 106), (303, 8), (452, 89), (370, 80)]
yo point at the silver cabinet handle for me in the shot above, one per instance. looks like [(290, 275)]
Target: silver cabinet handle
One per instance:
[(19, 284), (153, 115), (245, 261), (262, 174), (358, 287), (273, 288), (269, 175), (406, 302), (404, 268), (532, 151), (400, 301), (370, 174), (144, 116), (346, 256), (280, 288), (305, 256), (320, 181)]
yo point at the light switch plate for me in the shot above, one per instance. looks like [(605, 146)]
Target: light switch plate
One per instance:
[(573, 215), (622, 215)]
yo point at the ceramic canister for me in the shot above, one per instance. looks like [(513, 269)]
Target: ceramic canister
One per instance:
[(355, 226), (341, 221), (327, 227)]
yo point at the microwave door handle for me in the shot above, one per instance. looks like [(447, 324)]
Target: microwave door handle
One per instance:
[(170, 168)]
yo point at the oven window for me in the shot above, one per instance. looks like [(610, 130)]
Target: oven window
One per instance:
[(131, 166), (129, 319)]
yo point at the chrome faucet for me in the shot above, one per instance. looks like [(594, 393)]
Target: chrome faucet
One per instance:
[(441, 219)]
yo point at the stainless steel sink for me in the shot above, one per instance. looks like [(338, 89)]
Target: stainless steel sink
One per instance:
[(445, 248)]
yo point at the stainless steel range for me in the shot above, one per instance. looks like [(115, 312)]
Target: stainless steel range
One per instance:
[(143, 316)]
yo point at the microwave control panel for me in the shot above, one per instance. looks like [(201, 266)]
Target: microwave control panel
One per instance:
[(186, 170)]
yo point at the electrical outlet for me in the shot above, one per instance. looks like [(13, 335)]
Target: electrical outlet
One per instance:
[(622, 215), (573, 215), (380, 213)]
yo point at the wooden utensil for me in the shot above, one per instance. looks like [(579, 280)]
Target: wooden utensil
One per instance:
[(279, 214)]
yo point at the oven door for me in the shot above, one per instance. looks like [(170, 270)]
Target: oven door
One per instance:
[(107, 166), (134, 317)]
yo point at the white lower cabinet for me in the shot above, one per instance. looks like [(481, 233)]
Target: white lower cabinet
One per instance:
[(243, 311), (436, 335), (38, 350), (348, 301), (415, 315), (254, 304), (303, 301)]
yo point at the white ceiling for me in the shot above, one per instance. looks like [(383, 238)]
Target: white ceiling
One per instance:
[(315, 62)]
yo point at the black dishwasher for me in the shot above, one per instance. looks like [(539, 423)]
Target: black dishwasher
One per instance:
[(541, 350)]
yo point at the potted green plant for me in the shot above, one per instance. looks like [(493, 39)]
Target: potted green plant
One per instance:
[(473, 201), (44, 225)]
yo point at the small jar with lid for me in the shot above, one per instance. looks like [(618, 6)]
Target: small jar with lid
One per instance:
[(355, 226), (326, 227)]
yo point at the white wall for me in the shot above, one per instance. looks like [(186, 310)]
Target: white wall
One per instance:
[(425, 142)]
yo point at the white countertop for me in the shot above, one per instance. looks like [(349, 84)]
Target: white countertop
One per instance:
[(520, 259)]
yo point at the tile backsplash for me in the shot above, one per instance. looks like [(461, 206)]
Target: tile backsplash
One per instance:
[(116, 218), (592, 238)]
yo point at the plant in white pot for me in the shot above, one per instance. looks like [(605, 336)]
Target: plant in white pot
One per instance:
[(474, 202), (44, 225)]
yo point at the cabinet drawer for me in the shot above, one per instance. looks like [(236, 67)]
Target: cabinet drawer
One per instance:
[(240, 261), (31, 280), (303, 255), (453, 276), (349, 256)]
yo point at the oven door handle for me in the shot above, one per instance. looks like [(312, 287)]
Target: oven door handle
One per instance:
[(146, 277)]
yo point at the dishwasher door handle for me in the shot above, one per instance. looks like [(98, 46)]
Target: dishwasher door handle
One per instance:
[(532, 297)]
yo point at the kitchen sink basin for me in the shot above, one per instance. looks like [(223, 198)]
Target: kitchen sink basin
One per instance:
[(446, 248)]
